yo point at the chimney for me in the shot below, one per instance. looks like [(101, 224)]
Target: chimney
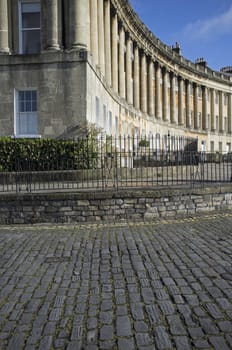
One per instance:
[(177, 48), (201, 62), (226, 70)]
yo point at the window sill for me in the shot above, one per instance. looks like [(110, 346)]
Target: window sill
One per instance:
[(26, 136)]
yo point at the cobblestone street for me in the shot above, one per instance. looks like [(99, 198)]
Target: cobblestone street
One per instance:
[(164, 285)]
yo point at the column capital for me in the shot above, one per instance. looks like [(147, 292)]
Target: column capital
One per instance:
[(150, 61), (157, 64), (128, 35), (114, 11), (163, 69)]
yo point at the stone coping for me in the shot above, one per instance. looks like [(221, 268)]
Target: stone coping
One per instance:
[(122, 193)]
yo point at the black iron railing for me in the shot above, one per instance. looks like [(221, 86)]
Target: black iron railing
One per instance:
[(118, 163)]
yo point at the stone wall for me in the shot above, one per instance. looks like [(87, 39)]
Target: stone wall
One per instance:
[(112, 205), (61, 101)]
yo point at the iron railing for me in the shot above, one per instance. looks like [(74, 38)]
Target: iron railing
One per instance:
[(119, 163)]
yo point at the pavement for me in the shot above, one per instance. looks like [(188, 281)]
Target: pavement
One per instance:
[(163, 285)]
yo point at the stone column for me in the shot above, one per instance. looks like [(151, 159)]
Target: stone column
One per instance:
[(212, 107), (144, 83), (196, 118), (4, 40), (165, 95), (107, 43), (52, 25), (187, 103), (122, 63), (204, 108), (221, 116), (101, 38), (151, 106), (180, 101), (88, 25), (136, 79), (94, 29), (114, 52), (229, 113), (79, 28), (173, 98), (157, 92), (129, 94)]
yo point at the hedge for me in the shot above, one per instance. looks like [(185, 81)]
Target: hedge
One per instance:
[(47, 154)]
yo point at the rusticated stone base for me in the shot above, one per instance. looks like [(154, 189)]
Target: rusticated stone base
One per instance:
[(131, 205)]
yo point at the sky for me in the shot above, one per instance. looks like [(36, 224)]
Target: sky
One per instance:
[(203, 28)]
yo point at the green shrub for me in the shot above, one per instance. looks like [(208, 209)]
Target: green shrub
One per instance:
[(47, 154), (143, 143)]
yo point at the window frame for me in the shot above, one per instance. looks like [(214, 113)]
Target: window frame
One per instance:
[(21, 29), (17, 133)]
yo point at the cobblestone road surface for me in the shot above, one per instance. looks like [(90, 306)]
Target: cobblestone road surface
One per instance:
[(129, 286)]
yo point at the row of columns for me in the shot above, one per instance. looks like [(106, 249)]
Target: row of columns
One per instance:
[(95, 26), (78, 24), (137, 78)]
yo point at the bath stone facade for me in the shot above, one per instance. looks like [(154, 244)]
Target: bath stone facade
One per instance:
[(66, 63)]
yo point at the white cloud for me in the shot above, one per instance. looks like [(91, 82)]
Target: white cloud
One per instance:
[(209, 28)]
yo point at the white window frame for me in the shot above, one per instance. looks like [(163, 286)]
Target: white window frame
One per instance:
[(16, 131), (20, 2)]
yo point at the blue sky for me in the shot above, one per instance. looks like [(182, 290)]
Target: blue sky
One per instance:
[(203, 28)]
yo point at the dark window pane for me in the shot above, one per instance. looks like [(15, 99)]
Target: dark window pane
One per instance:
[(34, 106), (28, 95), (34, 95), (31, 20), (21, 107), (31, 41), (31, 6), (28, 106), (21, 95)]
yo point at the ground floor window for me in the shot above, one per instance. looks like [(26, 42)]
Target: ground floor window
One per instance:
[(212, 146), (26, 116)]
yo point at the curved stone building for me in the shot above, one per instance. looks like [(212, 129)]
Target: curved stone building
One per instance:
[(65, 63)]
